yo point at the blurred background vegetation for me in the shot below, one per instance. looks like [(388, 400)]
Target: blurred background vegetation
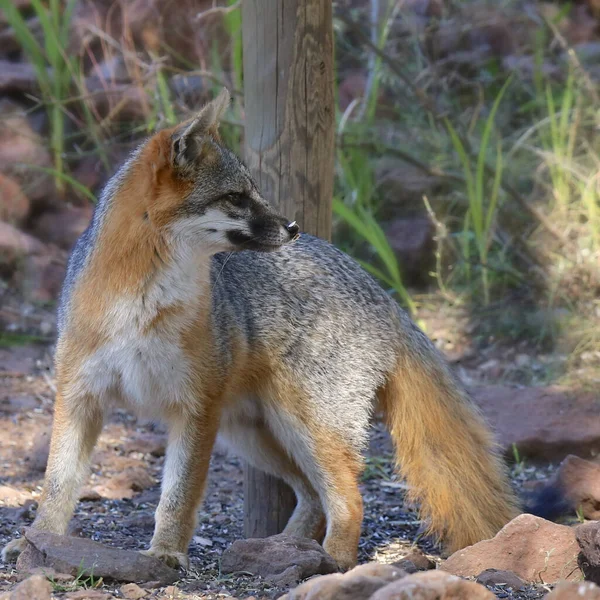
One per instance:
[(468, 155)]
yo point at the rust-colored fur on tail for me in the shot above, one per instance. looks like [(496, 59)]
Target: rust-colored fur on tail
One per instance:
[(446, 454)]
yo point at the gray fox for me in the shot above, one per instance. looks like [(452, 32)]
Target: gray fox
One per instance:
[(190, 300)]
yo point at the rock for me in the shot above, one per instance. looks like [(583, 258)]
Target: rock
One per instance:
[(506, 579), (62, 227), (17, 77), (50, 574), (88, 172), (20, 513), (142, 520), (87, 494), (382, 571), (126, 484), (559, 421), (412, 241), (89, 595), (534, 549), (17, 404), (14, 204), (280, 558), (38, 457), (360, 582), (132, 591), (36, 587), (588, 538), (71, 554), (11, 497), (432, 585), (15, 244), (570, 590), (415, 561), (147, 443), (43, 276), (37, 270), (20, 150), (574, 486)]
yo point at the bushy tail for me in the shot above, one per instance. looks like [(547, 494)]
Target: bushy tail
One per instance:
[(445, 451)]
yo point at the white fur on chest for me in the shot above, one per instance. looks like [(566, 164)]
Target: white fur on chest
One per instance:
[(144, 366)]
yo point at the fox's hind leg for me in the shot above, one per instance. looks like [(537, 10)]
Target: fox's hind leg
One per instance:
[(332, 466), (255, 443), (336, 469)]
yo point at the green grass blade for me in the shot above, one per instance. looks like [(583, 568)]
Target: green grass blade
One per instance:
[(165, 97), (493, 199), (477, 210)]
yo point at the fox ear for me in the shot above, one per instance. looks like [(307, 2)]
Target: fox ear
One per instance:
[(188, 143)]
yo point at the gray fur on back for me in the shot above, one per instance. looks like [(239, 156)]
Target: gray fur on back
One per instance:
[(335, 328)]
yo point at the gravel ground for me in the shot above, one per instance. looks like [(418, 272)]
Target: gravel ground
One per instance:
[(390, 528)]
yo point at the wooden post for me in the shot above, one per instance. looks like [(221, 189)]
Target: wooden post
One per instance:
[(289, 147)]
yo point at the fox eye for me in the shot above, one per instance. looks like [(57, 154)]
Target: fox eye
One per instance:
[(238, 200)]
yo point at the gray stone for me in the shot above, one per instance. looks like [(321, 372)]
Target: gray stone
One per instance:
[(282, 559), (70, 554)]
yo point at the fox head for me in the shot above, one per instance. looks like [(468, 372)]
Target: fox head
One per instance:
[(201, 192)]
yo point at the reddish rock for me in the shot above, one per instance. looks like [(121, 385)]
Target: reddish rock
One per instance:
[(63, 227), (132, 591), (12, 497), (534, 549), (432, 585), (20, 150), (36, 587), (282, 559), (126, 484), (360, 582), (570, 590), (545, 423), (16, 244), (14, 204), (44, 276), (36, 269), (416, 561)]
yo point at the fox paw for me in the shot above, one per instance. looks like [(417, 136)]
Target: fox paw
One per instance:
[(175, 560), (11, 551)]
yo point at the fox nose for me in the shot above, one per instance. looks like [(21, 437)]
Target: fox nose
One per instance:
[(292, 228)]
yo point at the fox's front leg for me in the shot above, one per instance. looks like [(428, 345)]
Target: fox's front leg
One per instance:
[(75, 429), (191, 439)]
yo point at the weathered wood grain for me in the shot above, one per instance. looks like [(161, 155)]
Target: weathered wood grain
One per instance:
[(289, 147)]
